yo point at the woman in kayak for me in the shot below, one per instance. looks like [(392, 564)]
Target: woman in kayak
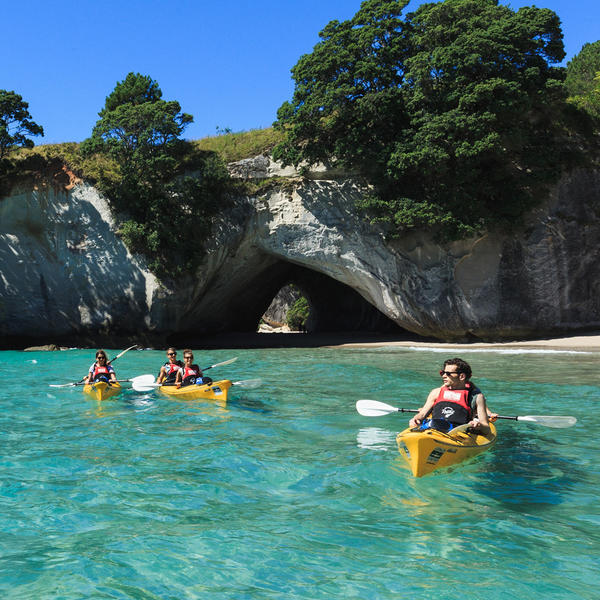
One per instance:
[(190, 374), (168, 372), (100, 370), (457, 402)]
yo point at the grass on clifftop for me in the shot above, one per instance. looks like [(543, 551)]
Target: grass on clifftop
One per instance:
[(237, 146)]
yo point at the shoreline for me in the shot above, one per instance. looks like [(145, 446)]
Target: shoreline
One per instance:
[(582, 343), (576, 343), (569, 344)]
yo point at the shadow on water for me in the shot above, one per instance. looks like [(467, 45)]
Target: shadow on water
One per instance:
[(250, 404), (525, 473)]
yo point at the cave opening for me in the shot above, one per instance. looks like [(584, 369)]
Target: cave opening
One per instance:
[(308, 301), (260, 300)]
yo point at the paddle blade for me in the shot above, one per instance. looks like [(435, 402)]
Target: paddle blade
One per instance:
[(60, 385), (225, 362), (248, 384), (558, 422), (121, 353), (372, 408), (143, 379)]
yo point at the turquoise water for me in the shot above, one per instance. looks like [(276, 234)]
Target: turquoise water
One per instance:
[(286, 492)]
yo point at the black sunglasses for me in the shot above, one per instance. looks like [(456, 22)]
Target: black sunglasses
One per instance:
[(449, 373), (171, 353)]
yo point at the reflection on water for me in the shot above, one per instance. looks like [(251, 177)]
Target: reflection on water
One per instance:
[(375, 438)]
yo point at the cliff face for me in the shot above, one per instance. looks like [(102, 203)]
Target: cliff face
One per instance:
[(66, 275)]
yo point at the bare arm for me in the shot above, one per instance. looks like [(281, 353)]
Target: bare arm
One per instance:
[(425, 409), (481, 423)]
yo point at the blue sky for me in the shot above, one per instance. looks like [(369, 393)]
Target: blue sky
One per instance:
[(227, 63)]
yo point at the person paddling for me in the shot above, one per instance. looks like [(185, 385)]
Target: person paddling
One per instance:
[(168, 372), (190, 374), (457, 402), (100, 370)]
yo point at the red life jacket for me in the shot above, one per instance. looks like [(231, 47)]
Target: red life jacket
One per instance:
[(189, 374), (101, 373), (454, 405), (171, 371)]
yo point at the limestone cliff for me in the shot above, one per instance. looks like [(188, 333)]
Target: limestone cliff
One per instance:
[(65, 275)]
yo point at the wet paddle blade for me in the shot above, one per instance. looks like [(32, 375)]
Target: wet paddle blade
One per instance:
[(225, 362), (373, 408), (558, 422), (248, 384)]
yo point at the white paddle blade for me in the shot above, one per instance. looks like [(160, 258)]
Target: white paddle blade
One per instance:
[(372, 408), (225, 362), (248, 384), (557, 422), (59, 385), (143, 379)]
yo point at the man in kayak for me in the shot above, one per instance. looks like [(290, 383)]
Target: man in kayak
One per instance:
[(100, 370), (168, 372), (457, 402), (190, 374)]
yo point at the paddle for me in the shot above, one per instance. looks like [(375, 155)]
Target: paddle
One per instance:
[(80, 382), (60, 385), (373, 408), (225, 362), (246, 384)]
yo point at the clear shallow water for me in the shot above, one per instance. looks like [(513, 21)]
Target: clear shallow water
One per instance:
[(286, 492)]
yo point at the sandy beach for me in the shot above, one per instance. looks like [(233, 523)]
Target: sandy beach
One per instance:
[(583, 343)]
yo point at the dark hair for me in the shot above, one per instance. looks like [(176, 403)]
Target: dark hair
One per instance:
[(100, 353), (462, 366)]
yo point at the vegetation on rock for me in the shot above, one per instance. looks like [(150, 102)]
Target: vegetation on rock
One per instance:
[(298, 314), (15, 123), (583, 80), (168, 189), (454, 112)]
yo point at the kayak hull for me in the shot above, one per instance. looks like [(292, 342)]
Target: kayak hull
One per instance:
[(429, 450), (102, 390), (218, 390)]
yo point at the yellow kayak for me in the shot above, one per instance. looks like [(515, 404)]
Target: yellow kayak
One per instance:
[(102, 390), (214, 391), (428, 450)]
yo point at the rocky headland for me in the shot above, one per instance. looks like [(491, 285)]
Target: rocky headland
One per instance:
[(66, 277)]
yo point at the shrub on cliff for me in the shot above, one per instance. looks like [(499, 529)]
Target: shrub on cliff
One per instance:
[(453, 111), (168, 212)]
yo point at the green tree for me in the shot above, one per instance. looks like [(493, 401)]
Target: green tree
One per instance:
[(166, 211), (583, 79), (15, 123), (453, 111), (298, 314)]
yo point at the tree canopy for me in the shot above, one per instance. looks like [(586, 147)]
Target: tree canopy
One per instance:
[(15, 123), (167, 212), (583, 79), (453, 111)]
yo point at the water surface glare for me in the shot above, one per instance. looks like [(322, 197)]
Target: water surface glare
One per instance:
[(286, 491)]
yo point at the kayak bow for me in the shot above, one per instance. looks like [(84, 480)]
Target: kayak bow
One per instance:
[(428, 450), (217, 390), (102, 390)]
